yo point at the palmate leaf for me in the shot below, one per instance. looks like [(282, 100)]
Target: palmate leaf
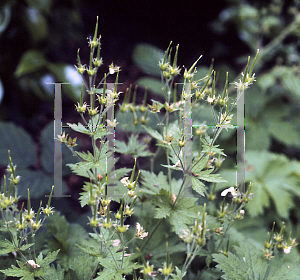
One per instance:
[(134, 147), (248, 263), (198, 175), (7, 247), (28, 273), (198, 186), (208, 148), (179, 275), (83, 265), (181, 214), (163, 203), (273, 179), (79, 128), (106, 274), (185, 212), (155, 134), (152, 183), (55, 273)]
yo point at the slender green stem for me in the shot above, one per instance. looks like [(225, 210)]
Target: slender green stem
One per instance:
[(93, 273), (180, 190)]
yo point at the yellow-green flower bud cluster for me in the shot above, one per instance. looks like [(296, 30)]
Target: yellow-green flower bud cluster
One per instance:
[(276, 240)]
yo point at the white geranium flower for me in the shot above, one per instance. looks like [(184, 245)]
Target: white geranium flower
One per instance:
[(235, 193), (140, 232)]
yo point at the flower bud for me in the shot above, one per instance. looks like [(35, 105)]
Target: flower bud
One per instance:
[(211, 197), (144, 120), (200, 241), (94, 223), (35, 226), (122, 229), (107, 225), (167, 74), (279, 246), (91, 72), (135, 121), (267, 245), (97, 62), (222, 102), (181, 143), (163, 66), (8, 202), (105, 202), (91, 202), (16, 180), (142, 108)]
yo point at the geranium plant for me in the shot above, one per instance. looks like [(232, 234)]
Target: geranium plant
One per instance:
[(165, 222)]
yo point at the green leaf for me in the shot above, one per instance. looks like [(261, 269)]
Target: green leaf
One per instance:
[(108, 274), (152, 183), (146, 57), (7, 247), (248, 263), (285, 132), (63, 236), (20, 144), (185, 212), (80, 168), (290, 81), (208, 148), (83, 265), (155, 134), (36, 24), (272, 178), (22, 272), (55, 273), (65, 73), (153, 85), (179, 275), (5, 15), (198, 186), (37, 182), (91, 250), (164, 204), (134, 147), (79, 128), (200, 164), (28, 273), (30, 62), (26, 246), (50, 257)]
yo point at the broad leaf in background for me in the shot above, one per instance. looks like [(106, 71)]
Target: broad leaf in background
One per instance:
[(65, 73), (153, 85), (20, 144), (133, 147), (36, 24), (31, 61), (273, 177), (5, 15), (24, 155), (248, 263), (146, 57)]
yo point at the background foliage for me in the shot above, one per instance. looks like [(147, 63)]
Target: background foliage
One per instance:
[(40, 46)]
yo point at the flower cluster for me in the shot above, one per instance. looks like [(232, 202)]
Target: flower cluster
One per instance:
[(276, 240), (196, 234)]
